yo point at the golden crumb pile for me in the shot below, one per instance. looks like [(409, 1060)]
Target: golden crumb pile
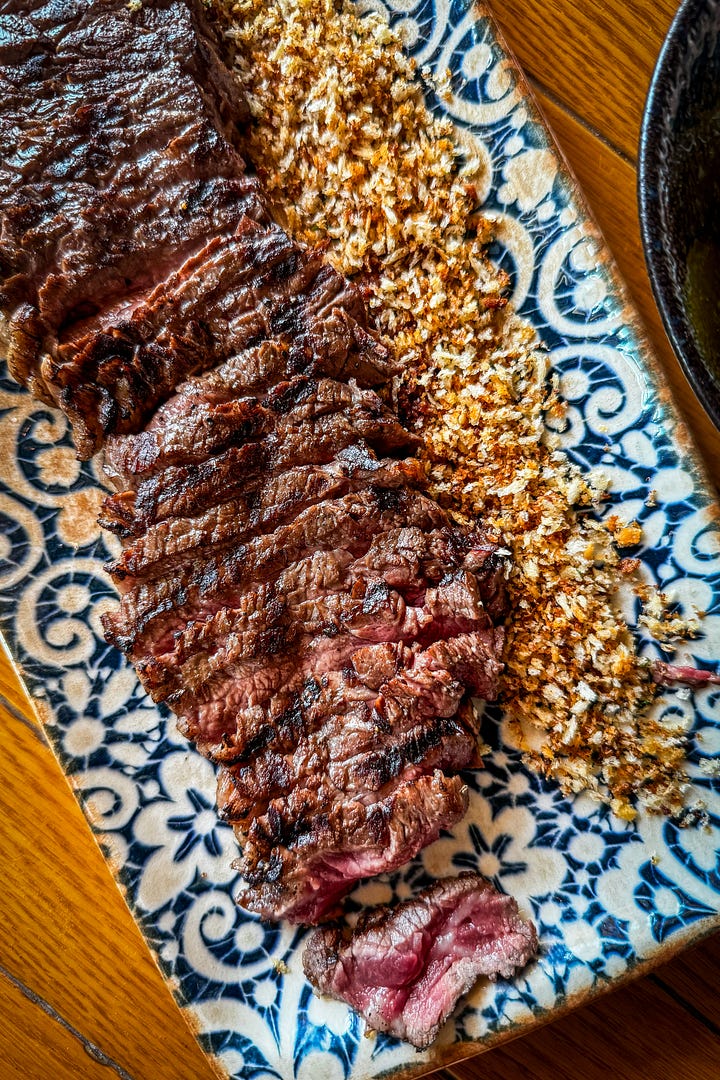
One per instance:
[(348, 151)]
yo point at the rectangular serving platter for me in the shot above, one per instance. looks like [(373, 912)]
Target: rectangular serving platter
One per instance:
[(609, 897)]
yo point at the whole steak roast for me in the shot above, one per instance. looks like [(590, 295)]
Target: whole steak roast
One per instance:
[(316, 622)]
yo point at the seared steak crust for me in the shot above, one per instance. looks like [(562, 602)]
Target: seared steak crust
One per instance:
[(254, 285), (299, 860), (317, 623), (188, 490), (198, 590), (358, 749), (112, 172), (135, 249), (265, 504)]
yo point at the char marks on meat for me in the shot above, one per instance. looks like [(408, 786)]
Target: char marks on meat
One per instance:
[(136, 249), (317, 623), (405, 968)]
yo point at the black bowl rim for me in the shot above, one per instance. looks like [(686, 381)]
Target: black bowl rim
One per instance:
[(649, 164)]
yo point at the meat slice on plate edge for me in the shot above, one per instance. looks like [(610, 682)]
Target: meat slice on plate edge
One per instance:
[(405, 968)]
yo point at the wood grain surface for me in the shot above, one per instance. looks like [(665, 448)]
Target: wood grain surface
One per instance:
[(79, 992)]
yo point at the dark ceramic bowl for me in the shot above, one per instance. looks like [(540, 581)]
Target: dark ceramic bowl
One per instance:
[(679, 193)]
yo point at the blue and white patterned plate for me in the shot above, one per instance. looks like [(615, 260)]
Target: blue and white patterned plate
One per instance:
[(607, 896)]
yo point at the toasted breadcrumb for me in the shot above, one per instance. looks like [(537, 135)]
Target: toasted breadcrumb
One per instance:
[(352, 158)]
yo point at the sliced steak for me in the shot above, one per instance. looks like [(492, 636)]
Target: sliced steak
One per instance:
[(263, 702), (334, 345), (264, 506), (355, 753), (353, 741), (403, 969), (338, 348), (239, 663), (326, 593), (316, 622), (350, 522), (189, 490), (222, 694), (257, 635), (187, 431), (298, 864), (251, 286), (104, 163)]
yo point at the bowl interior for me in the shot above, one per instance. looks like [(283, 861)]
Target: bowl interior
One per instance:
[(679, 180)]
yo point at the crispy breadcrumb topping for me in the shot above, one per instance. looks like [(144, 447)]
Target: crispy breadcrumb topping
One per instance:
[(352, 158)]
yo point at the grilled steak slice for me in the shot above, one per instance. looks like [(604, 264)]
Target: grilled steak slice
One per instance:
[(189, 490), (264, 702), (335, 345), (405, 968), (328, 593), (372, 611), (254, 285), (232, 695), (367, 752), (350, 522), (264, 505), (111, 171), (186, 431), (358, 750), (376, 752), (298, 864)]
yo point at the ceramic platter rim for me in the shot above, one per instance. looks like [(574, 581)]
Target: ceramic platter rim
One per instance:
[(610, 899)]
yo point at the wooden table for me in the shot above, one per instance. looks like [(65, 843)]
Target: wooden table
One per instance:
[(79, 992)]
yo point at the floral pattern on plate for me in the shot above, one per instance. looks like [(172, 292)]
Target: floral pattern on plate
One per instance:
[(606, 895)]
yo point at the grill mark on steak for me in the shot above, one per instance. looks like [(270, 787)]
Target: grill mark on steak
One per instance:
[(188, 490), (187, 432), (265, 624), (175, 235), (234, 293), (350, 522), (81, 132), (357, 750), (279, 705), (265, 505), (298, 864), (405, 968)]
